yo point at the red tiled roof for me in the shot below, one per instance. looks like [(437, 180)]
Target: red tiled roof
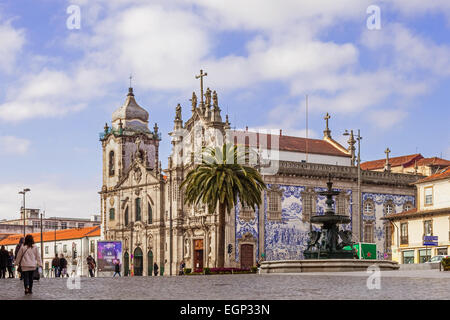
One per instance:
[(404, 161), (434, 161), (294, 144), (413, 213), (65, 234), (441, 174)]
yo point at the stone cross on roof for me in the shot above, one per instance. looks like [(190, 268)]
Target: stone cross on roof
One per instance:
[(200, 76), (327, 132), (387, 166)]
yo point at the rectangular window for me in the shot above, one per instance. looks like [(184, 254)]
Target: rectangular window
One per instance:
[(368, 233), (428, 196), (404, 233), (80, 225), (274, 212), (387, 238), (65, 248), (428, 228), (150, 214), (63, 225), (138, 209), (46, 249), (36, 224), (92, 246), (307, 207), (408, 257), (424, 255), (112, 214), (246, 212)]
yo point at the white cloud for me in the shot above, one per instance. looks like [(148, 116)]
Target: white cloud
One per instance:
[(62, 200), (164, 44), (11, 43), (412, 53), (387, 118), (51, 93), (10, 145)]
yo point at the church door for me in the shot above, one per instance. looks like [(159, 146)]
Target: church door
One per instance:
[(126, 264), (247, 256), (150, 263), (138, 262), (198, 254)]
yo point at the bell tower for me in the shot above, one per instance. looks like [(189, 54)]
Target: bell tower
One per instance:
[(128, 138)]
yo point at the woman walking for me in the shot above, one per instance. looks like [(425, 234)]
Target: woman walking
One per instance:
[(28, 258)]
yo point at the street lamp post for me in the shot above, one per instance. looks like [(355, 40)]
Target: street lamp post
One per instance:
[(351, 142), (42, 242), (23, 192)]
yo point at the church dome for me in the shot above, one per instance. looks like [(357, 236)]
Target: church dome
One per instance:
[(130, 110)]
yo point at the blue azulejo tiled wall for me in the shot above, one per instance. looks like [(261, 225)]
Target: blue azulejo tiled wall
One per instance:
[(380, 200), (244, 226), (287, 239)]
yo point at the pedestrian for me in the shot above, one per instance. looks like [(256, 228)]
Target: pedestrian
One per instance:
[(182, 266), (91, 265), (28, 258), (3, 262), (74, 266), (10, 264), (63, 266), (18, 246), (55, 265), (117, 268), (155, 269)]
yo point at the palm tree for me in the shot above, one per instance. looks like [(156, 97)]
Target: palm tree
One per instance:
[(218, 181)]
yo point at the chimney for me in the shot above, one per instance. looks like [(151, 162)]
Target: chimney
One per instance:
[(246, 128), (281, 132)]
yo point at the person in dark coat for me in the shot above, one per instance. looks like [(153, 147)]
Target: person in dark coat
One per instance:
[(10, 264), (3, 261), (155, 269), (91, 265), (63, 266), (117, 268), (19, 245), (55, 265)]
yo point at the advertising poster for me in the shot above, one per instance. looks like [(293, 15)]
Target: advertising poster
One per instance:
[(108, 254)]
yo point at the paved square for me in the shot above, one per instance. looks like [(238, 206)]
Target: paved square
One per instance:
[(345, 285)]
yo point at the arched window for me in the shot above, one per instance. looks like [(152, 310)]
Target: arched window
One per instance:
[(126, 216), (389, 207), (368, 207), (111, 163), (138, 209), (407, 206), (111, 214), (150, 214)]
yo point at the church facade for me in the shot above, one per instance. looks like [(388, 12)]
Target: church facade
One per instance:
[(142, 205)]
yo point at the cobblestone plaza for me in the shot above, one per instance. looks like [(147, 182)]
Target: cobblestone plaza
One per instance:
[(349, 285)]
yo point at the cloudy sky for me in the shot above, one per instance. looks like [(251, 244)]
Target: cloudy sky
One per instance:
[(59, 85)]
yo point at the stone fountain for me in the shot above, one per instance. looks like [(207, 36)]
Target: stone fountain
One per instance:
[(324, 252), (325, 244)]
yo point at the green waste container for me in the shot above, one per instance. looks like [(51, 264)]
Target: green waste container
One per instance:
[(366, 251)]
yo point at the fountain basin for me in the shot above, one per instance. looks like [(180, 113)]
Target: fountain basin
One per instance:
[(325, 265)]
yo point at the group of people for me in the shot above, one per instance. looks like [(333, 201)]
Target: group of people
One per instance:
[(6, 263), (59, 266)]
